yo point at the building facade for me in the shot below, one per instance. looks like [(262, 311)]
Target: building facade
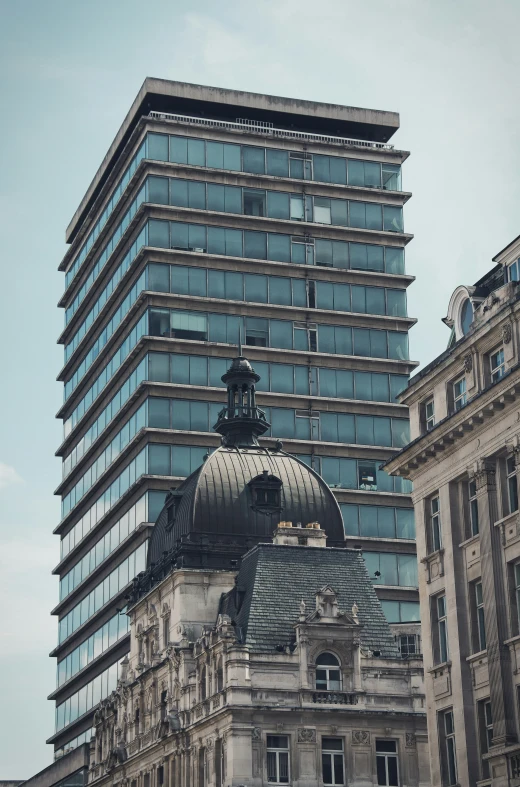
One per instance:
[(220, 217), (463, 462), (273, 666)]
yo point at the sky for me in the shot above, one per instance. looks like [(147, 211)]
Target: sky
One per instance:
[(69, 71)]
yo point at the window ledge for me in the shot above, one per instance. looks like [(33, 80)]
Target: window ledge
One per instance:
[(437, 667), (472, 540), (513, 640), (482, 654), (506, 519), (432, 555)]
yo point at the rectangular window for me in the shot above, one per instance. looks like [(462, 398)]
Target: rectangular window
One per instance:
[(459, 393), (481, 625), (435, 525), (278, 759), (429, 415), (254, 202), (409, 645), (473, 507), (485, 723), (517, 593), (442, 630), (513, 271), (387, 764), (448, 749), (322, 213), (333, 768), (497, 365), (512, 486)]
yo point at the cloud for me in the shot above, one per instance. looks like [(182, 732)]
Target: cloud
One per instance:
[(8, 476)]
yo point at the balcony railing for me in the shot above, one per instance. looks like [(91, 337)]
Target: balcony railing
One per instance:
[(334, 698), (258, 127)]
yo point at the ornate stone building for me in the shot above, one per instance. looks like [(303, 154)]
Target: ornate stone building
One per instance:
[(259, 651), (463, 462)]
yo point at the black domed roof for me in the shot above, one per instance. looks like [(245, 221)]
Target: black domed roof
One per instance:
[(239, 495), (217, 507)]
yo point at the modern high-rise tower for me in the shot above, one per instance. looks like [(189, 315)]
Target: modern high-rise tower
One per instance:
[(220, 217)]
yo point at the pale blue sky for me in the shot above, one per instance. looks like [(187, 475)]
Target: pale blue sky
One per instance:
[(69, 71)]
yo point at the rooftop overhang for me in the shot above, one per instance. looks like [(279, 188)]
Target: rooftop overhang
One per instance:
[(478, 411), (161, 95)]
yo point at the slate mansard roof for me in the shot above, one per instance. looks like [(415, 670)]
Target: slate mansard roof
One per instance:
[(273, 579)]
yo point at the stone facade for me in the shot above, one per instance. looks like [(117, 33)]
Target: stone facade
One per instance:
[(197, 704), (463, 462)]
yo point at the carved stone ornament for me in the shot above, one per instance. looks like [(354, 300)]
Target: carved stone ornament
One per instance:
[(507, 333), (306, 735), (256, 733), (485, 474), (468, 362), (410, 740), (360, 737)]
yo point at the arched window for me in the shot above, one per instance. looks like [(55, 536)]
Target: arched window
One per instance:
[(328, 675), (203, 683)]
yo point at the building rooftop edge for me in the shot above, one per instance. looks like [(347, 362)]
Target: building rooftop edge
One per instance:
[(165, 95)]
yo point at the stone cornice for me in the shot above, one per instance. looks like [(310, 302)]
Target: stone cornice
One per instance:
[(455, 427)]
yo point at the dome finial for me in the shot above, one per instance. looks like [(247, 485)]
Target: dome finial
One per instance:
[(241, 422)]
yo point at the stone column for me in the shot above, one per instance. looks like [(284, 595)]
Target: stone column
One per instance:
[(495, 607)]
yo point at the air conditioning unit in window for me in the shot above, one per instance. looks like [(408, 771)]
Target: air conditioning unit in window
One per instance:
[(197, 248)]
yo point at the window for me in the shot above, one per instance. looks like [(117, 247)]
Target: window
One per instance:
[(435, 525), (296, 206), (485, 722), (333, 769), (429, 415), (257, 332), (386, 761), (328, 675), (322, 210), (367, 476), (401, 611), (512, 486), (513, 271), (220, 675), (448, 750), (459, 393), (278, 759), (473, 507), (203, 683), (166, 629), (441, 649), (497, 365), (202, 767), (409, 645), (480, 639), (388, 568), (254, 202), (517, 594), (266, 492)]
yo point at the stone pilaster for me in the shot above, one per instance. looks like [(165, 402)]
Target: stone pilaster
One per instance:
[(495, 607)]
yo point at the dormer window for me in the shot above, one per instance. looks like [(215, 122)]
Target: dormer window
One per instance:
[(172, 507), (328, 674), (266, 492)]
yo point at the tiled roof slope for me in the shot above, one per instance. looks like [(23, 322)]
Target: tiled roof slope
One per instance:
[(273, 579)]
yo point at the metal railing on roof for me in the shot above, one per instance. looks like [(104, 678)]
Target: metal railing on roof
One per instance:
[(260, 127)]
